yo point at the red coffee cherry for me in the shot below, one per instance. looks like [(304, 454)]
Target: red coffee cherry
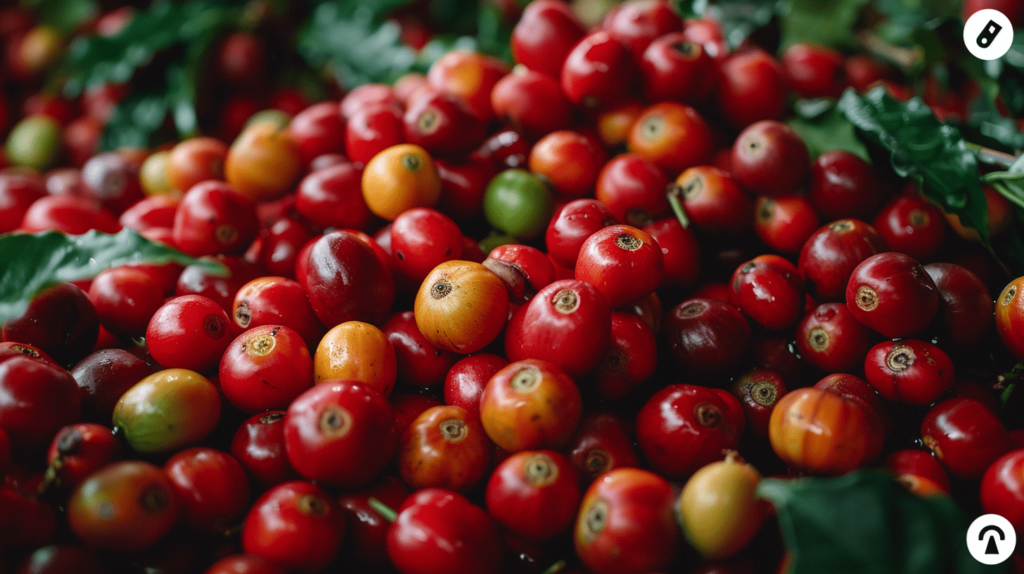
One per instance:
[(214, 218), (769, 290), (189, 332), (544, 36), (630, 359), (523, 269), (569, 160), (911, 225), (677, 69), (1002, 488), (752, 88), (532, 102), (633, 188), (333, 197), (211, 486), (966, 308), (892, 294), (465, 381), (706, 337), (714, 201), (814, 71), (758, 392), (769, 158), (534, 494), (830, 338), (623, 262), (599, 71), (125, 299), (965, 435), (259, 446), (265, 368), (296, 525), (844, 185), (910, 371), (680, 252), (830, 255), (684, 427), (602, 442)]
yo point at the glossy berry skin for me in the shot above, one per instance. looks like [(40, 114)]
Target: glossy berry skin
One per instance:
[(518, 203), (523, 269), (1002, 488), (830, 338), (214, 218), (194, 161), (367, 533), (167, 411), (199, 280), (333, 197), (347, 282), (1010, 317), (125, 299), (830, 255), (124, 507), (752, 88), (423, 238), (399, 178), (189, 332), (676, 69), (814, 71), (372, 130), (714, 201), (244, 564), (843, 185), (76, 452), (568, 323), (356, 351), (461, 306), (911, 225), (444, 447), (367, 96), (531, 102), (469, 75), (465, 381), (965, 435), (572, 225), (463, 185), (633, 188), (544, 36), (680, 252), (276, 301), (626, 523), (211, 486), (758, 392), (569, 160), (439, 532), (295, 525), (623, 262), (340, 433), (684, 427), (259, 446), (824, 432), (420, 363), (318, 130), (263, 162), (630, 358), (769, 158), (408, 406), (918, 463), (443, 124), (637, 24), (597, 72), (602, 442), (265, 368), (17, 194), (673, 136), (966, 304), (892, 294), (909, 371), (769, 290), (112, 179), (60, 321), (530, 404), (103, 377), (72, 215), (534, 494), (706, 337), (784, 224)]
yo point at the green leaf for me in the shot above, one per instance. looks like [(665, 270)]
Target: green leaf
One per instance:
[(64, 15), (920, 146), (691, 8), (135, 120), (32, 262), (826, 131), (356, 47), (827, 23), (740, 18), (906, 17), (865, 522)]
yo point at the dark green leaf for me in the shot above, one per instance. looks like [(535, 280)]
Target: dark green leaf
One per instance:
[(905, 17), (32, 262), (135, 120), (865, 522), (356, 47), (494, 34), (690, 8), (921, 146), (986, 127), (828, 131), (828, 23), (739, 18), (64, 15)]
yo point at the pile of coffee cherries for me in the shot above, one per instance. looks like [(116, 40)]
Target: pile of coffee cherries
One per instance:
[(559, 317)]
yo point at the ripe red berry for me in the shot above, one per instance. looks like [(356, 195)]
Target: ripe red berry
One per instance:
[(676, 69), (830, 338), (843, 185), (814, 71), (597, 72), (785, 223), (758, 392), (545, 35), (534, 494), (910, 371), (189, 332), (623, 262), (680, 252), (892, 294), (214, 218), (769, 158), (911, 225), (296, 525), (966, 307), (830, 255), (769, 290), (714, 201), (965, 436), (706, 337), (752, 88), (265, 368)]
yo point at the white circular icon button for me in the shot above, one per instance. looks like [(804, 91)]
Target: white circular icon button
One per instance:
[(991, 539), (988, 34)]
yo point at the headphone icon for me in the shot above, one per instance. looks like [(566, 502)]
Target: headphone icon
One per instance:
[(991, 548)]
